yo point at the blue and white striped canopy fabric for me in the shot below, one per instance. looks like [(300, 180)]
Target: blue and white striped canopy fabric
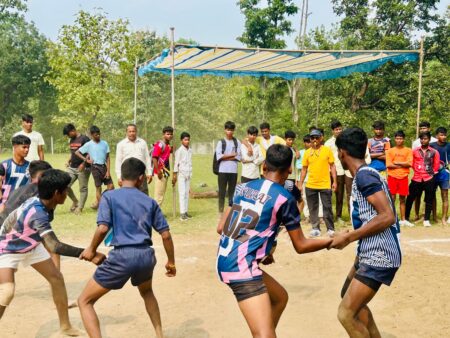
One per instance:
[(230, 62)]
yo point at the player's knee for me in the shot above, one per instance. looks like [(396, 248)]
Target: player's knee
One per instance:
[(6, 293), (344, 314), (56, 277)]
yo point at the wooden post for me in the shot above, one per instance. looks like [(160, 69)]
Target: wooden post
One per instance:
[(135, 90), (172, 50), (419, 94)]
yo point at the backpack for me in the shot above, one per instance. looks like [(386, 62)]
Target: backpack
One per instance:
[(216, 163), (162, 145)]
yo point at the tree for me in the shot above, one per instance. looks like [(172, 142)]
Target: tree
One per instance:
[(88, 62)]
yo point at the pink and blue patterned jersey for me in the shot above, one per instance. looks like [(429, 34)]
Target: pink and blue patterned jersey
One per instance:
[(13, 176), (259, 208), (23, 229)]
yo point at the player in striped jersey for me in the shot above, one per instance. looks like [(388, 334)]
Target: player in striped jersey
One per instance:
[(248, 231), (376, 229), (14, 171)]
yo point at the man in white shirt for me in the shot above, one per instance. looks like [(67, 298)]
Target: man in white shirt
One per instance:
[(424, 127), (336, 128), (182, 171), (133, 146), (251, 159), (37, 141)]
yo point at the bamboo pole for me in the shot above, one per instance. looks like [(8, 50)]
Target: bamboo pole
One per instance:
[(419, 94), (135, 90), (172, 75)]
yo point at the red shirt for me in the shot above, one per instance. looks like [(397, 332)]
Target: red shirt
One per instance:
[(425, 164), (162, 155)]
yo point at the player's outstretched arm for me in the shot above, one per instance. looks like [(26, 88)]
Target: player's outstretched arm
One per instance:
[(304, 245), (171, 270), (385, 217), (90, 253), (52, 243)]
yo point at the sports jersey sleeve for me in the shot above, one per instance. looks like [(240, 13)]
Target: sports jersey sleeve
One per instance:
[(104, 212), (159, 222), (368, 183), (289, 215), (41, 223)]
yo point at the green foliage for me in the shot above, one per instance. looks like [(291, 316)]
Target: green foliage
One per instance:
[(266, 26)]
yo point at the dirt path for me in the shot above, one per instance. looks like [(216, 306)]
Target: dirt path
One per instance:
[(195, 304)]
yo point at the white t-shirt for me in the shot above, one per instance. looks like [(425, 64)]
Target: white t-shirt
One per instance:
[(36, 140), (417, 143)]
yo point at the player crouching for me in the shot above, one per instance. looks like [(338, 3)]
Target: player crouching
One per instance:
[(23, 236)]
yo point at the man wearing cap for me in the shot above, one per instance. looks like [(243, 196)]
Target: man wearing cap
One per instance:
[(318, 163)]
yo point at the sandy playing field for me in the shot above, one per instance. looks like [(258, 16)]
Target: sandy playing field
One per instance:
[(195, 304)]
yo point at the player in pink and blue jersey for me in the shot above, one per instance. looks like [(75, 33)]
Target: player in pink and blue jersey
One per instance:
[(248, 232), (14, 171)]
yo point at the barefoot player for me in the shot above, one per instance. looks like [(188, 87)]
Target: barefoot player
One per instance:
[(248, 230), (25, 233), (131, 215), (376, 230)]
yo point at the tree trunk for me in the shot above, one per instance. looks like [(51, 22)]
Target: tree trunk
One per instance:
[(294, 87)]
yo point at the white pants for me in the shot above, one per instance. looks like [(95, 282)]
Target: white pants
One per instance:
[(183, 192)]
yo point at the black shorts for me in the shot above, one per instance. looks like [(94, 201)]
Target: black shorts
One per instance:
[(371, 276), (98, 173), (245, 290)]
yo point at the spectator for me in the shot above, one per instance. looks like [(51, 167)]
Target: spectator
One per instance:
[(99, 159), (425, 166), (252, 158), (336, 129), (377, 148), (442, 177), (76, 168), (161, 163), (298, 164), (424, 126), (36, 151), (289, 138), (182, 172), (398, 161), (228, 154), (318, 162), (133, 146)]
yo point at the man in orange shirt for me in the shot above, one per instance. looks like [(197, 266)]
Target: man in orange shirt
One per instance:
[(398, 161)]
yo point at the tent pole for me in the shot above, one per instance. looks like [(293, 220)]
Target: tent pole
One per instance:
[(135, 90), (172, 87), (419, 94)]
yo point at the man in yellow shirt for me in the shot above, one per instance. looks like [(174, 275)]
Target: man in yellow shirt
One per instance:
[(318, 163)]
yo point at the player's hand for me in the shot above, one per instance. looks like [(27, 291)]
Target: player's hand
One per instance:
[(340, 241), (88, 254), (268, 260), (149, 179), (171, 269), (160, 174), (98, 258), (334, 186)]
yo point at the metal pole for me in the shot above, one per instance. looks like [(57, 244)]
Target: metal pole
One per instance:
[(172, 50), (135, 90), (419, 94)]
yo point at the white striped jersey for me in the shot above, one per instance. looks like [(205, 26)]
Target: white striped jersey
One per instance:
[(382, 249)]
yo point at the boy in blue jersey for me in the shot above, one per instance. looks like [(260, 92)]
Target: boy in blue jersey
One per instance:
[(376, 230), (14, 172), (24, 237), (248, 231), (131, 214)]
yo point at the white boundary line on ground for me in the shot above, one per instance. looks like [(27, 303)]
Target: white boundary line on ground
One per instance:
[(414, 243)]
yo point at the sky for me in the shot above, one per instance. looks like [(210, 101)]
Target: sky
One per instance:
[(208, 22)]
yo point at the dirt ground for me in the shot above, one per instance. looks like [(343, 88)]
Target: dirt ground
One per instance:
[(195, 304)]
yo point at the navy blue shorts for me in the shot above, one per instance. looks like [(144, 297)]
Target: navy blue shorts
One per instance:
[(123, 263), (373, 276)]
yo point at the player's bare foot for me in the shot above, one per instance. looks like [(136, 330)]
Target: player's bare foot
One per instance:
[(70, 332), (78, 211)]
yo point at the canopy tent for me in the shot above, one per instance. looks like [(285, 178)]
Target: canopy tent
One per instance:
[(286, 64), (229, 62)]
